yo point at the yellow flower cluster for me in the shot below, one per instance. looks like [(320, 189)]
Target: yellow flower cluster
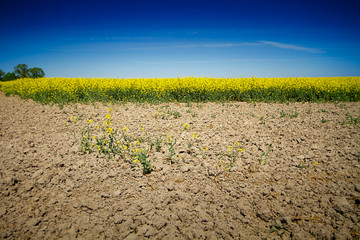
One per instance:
[(175, 89)]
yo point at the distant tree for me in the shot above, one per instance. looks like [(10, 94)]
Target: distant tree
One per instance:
[(36, 72), (9, 76), (2, 73), (22, 71)]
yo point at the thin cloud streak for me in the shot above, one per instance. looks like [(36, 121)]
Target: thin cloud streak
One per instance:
[(129, 38), (226, 60), (291, 46), (245, 44), (216, 45), (107, 47), (118, 47), (187, 62), (258, 43)]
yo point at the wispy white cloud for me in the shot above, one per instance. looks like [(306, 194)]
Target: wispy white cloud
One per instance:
[(187, 61), (129, 38), (291, 46), (230, 60), (149, 46), (215, 45), (108, 38), (244, 44)]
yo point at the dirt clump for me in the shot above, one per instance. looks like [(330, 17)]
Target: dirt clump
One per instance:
[(296, 176)]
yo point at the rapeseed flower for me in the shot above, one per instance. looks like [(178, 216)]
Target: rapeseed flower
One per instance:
[(62, 90)]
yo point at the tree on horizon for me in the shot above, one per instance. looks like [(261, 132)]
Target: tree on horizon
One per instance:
[(22, 71)]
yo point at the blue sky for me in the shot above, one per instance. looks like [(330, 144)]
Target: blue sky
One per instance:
[(149, 38)]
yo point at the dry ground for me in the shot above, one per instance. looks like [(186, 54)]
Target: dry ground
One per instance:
[(309, 187)]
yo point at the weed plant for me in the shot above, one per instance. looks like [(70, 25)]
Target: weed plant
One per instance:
[(351, 120), (114, 143), (171, 148), (264, 156), (279, 229), (232, 155)]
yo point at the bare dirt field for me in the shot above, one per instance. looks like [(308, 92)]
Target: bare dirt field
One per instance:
[(298, 177)]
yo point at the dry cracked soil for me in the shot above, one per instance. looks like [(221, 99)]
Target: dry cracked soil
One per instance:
[(297, 178)]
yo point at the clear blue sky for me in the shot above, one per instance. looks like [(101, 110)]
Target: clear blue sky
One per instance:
[(153, 38)]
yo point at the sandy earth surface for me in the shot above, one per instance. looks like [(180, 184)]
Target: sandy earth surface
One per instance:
[(307, 188)]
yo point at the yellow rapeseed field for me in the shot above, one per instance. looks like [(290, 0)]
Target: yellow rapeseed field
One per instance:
[(62, 90)]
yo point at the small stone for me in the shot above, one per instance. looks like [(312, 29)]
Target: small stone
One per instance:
[(286, 220), (343, 233), (315, 147), (41, 180), (277, 177), (299, 234), (37, 212), (184, 169), (357, 187), (211, 235), (34, 222), (264, 214), (170, 186), (90, 206), (112, 174), (132, 236), (118, 219), (158, 222), (211, 172), (117, 193), (105, 195), (242, 185), (182, 151), (163, 178), (245, 210), (151, 231), (10, 146), (341, 205), (130, 212), (166, 169), (3, 211), (37, 173), (28, 187), (235, 169), (143, 229)]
